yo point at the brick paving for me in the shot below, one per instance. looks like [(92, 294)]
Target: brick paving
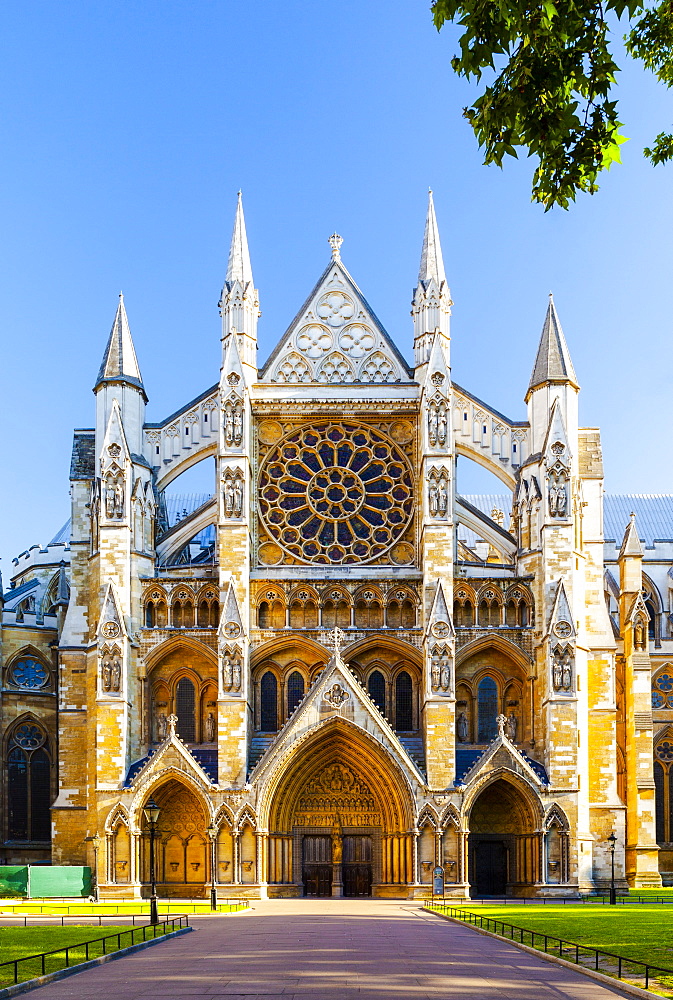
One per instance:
[(329, 950)]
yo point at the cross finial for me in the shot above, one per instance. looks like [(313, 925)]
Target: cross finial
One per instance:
[(336, 637), (335, 242), (172, 721), (502, 722)]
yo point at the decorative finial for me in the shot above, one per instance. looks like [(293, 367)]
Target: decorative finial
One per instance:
[(335, 242), (502, 722), (336, 638), (172, 721)]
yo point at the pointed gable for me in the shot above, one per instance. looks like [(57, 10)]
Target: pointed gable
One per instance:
[(336, 695), (561, 619), (335, 338)]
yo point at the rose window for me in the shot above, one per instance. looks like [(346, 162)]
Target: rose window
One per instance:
[(340, 493)]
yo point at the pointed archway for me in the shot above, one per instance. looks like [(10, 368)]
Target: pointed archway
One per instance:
[(339, 812), (182, 857), (504, 843)]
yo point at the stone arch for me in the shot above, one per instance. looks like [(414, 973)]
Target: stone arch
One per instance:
[(118, 814), (339, 741), (427, 815), (505, 845), (150, 786), (268, 650), (555, 816), (467, 450), (246, 816), (187, 642), (181, 463), (495, 641), (450, 816)]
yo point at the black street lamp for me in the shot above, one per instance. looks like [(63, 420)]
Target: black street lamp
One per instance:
[(212, 833), (612, 840), (152, 811)]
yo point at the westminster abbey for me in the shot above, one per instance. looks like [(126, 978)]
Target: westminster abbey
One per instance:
[(332, 672)]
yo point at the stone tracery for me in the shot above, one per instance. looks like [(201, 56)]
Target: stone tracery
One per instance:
[(340, 493)]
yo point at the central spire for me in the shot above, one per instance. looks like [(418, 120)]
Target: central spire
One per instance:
[(239, 267), (432, 262)]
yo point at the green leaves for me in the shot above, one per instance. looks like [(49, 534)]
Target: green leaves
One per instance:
[(553, 79)]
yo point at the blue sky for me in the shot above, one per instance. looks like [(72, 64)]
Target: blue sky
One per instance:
[(127, 129)]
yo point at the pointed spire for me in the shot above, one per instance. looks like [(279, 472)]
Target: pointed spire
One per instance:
[(432, 262), (119, 360), (238, 266), (631, 545), (552, 363)]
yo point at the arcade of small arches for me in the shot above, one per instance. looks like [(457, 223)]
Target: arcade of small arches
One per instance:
[(182, 607), (367, 608), (491, 606), (339, 820)]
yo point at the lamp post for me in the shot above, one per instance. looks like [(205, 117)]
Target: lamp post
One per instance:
[(612, 840), (212, 833), (151, 811), (95, 843)]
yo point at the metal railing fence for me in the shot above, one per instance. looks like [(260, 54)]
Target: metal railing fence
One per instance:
[(136, 934), (568, 950)]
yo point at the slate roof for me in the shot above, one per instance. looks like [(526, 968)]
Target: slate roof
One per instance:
[(207, 759), (62, 537), (83, 461), (654, 516), (467, 755)]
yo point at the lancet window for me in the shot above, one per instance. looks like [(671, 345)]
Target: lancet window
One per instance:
[(182, 610), (208, 612), (28, 783), (268, 703), (663, 782)]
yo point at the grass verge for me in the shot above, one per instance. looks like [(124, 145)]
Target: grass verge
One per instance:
[(643, 933), (23, 942)]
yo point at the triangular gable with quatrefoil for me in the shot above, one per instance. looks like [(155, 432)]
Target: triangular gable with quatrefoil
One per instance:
[(335, 338)]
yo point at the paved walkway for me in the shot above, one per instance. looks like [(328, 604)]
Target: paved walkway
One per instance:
[(329, 950)]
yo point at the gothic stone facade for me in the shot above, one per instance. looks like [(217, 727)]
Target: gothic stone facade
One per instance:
[(333, 673)]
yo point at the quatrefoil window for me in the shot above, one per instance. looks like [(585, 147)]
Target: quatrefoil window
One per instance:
[(662, 691), (336, 493)]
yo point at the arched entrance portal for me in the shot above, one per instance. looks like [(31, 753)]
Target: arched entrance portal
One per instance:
[(340, 819), (504, 843), (181, 846)]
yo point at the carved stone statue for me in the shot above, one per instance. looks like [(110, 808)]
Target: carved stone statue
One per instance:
[(162, 726), (639, 635), (110, 500), (116, 674), (238, 496), (557, 671), (237, 675), (119, 500), (106, 672), (567, 671), (228, 497), (432, 425), (237, 425), (443, 498), (558, 498), (512, 726), (445, 673), (441, 427), (433, 498), (228, 425), (435, 673), (462, 728), (501, 722), (226, 673), (210, 728)]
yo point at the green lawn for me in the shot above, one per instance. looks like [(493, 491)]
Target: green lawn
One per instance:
[(17, 942), (640, 932)]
